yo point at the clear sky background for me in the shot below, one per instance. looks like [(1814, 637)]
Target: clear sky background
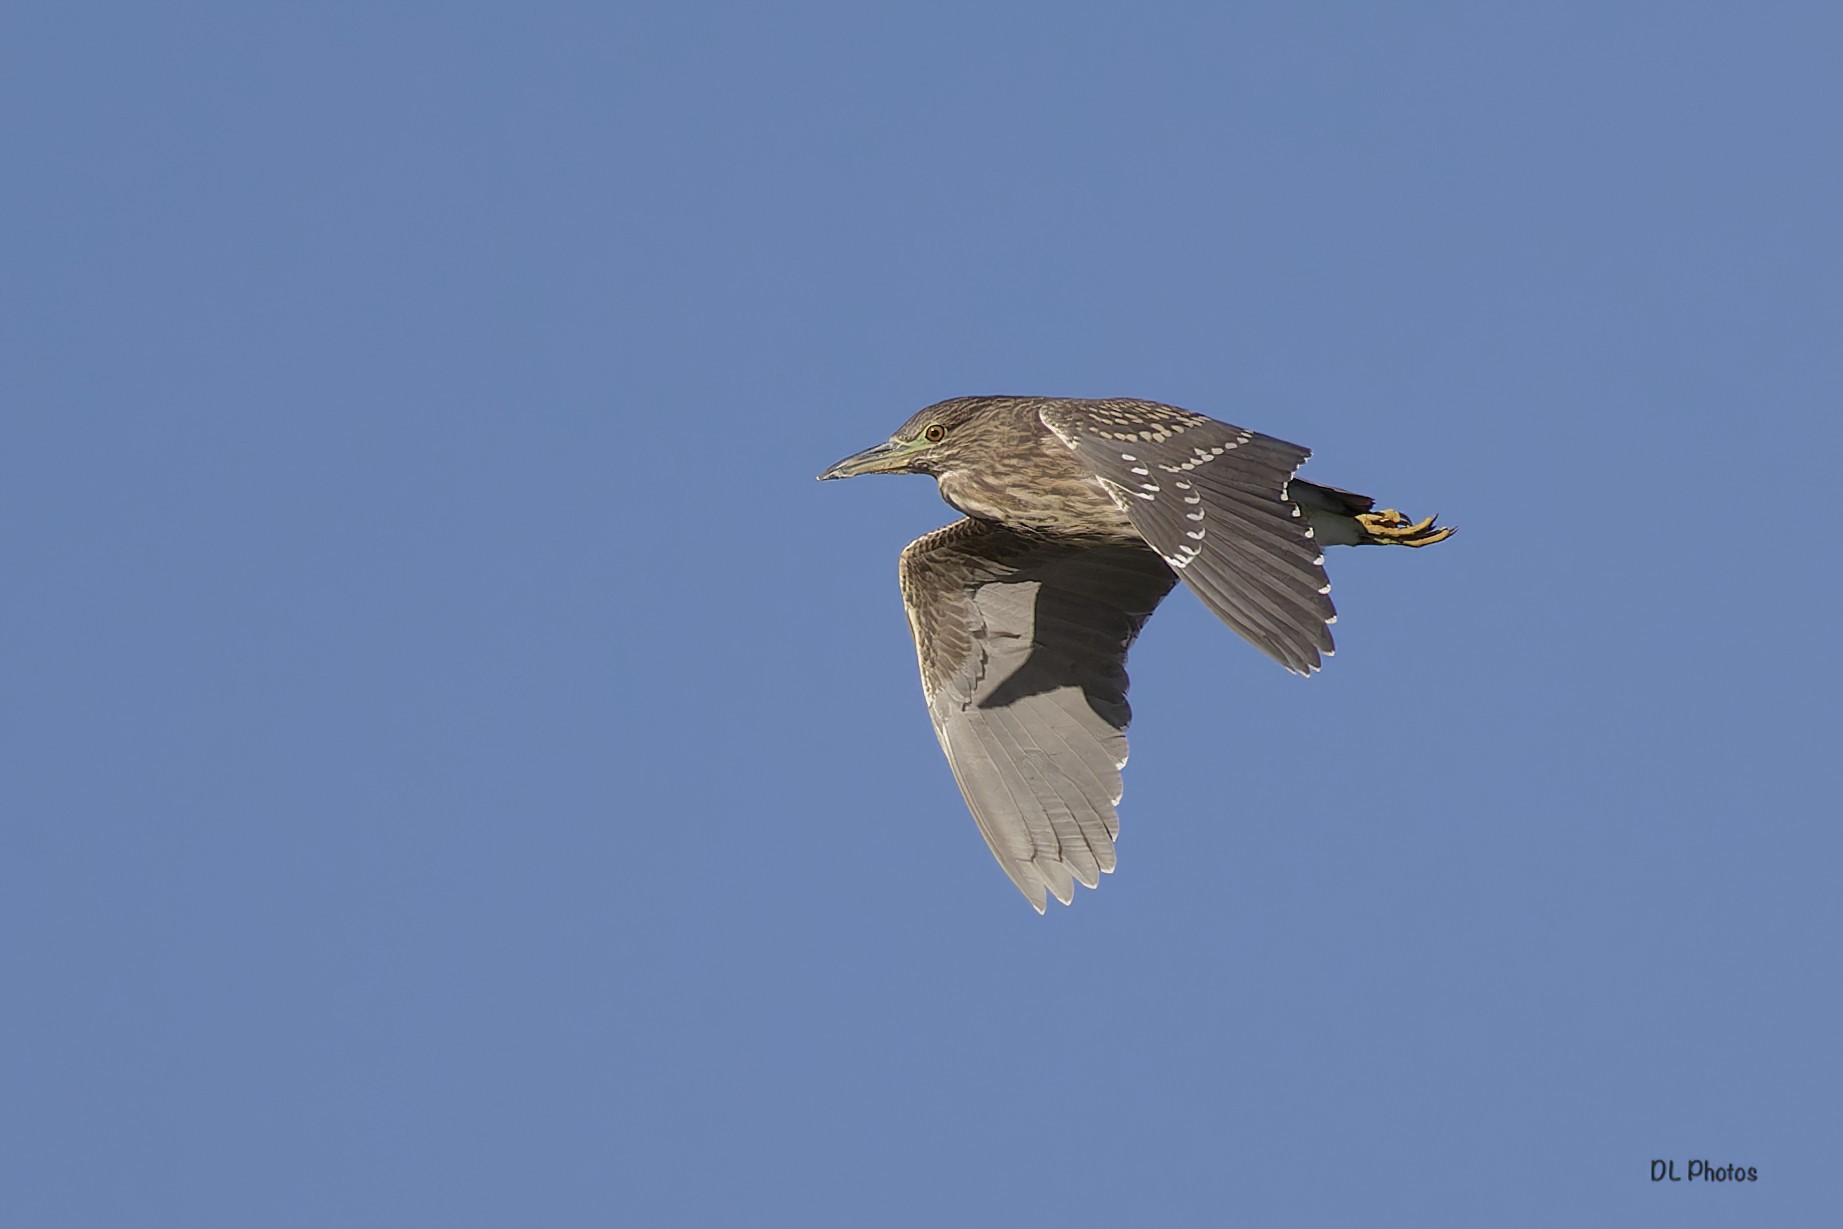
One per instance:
[(460, 769)]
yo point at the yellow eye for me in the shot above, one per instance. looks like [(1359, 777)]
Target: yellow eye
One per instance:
[(935, 433)]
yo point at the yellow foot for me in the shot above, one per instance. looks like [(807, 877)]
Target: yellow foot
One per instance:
[(1392, 527)]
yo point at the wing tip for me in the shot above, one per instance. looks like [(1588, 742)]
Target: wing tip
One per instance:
[(1039, 887)]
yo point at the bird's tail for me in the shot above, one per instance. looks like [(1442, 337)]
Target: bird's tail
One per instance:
[(1345, 518)]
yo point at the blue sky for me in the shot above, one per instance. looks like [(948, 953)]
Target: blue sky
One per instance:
[(459, 768)]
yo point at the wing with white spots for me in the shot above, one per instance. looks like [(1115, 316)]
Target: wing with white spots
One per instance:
[(1022, 642), (1211, 498)]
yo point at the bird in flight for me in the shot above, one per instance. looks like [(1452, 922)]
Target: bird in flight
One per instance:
[(1080, 516)]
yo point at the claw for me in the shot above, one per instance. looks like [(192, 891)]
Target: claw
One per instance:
[(1391, 527)]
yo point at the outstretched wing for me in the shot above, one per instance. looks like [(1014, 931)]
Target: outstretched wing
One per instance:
[(1212, 500), (1022, 641)]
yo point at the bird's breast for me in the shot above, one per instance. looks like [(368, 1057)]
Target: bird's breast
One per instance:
[(1065, 503)]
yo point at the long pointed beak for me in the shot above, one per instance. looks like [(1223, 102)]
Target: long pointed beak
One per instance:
[(886, 458)]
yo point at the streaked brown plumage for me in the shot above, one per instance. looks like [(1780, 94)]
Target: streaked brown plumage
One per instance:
[(1081, 516)]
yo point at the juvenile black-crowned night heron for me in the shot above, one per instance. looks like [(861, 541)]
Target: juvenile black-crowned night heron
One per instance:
[(1080, 517)]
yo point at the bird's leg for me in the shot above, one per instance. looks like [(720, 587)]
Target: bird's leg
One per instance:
[(1392, 528)]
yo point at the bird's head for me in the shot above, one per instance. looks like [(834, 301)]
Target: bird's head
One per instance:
[(943, 437)]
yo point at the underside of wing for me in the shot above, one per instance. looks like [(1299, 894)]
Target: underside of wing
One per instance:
[(1022, 640), (1211, 499)]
